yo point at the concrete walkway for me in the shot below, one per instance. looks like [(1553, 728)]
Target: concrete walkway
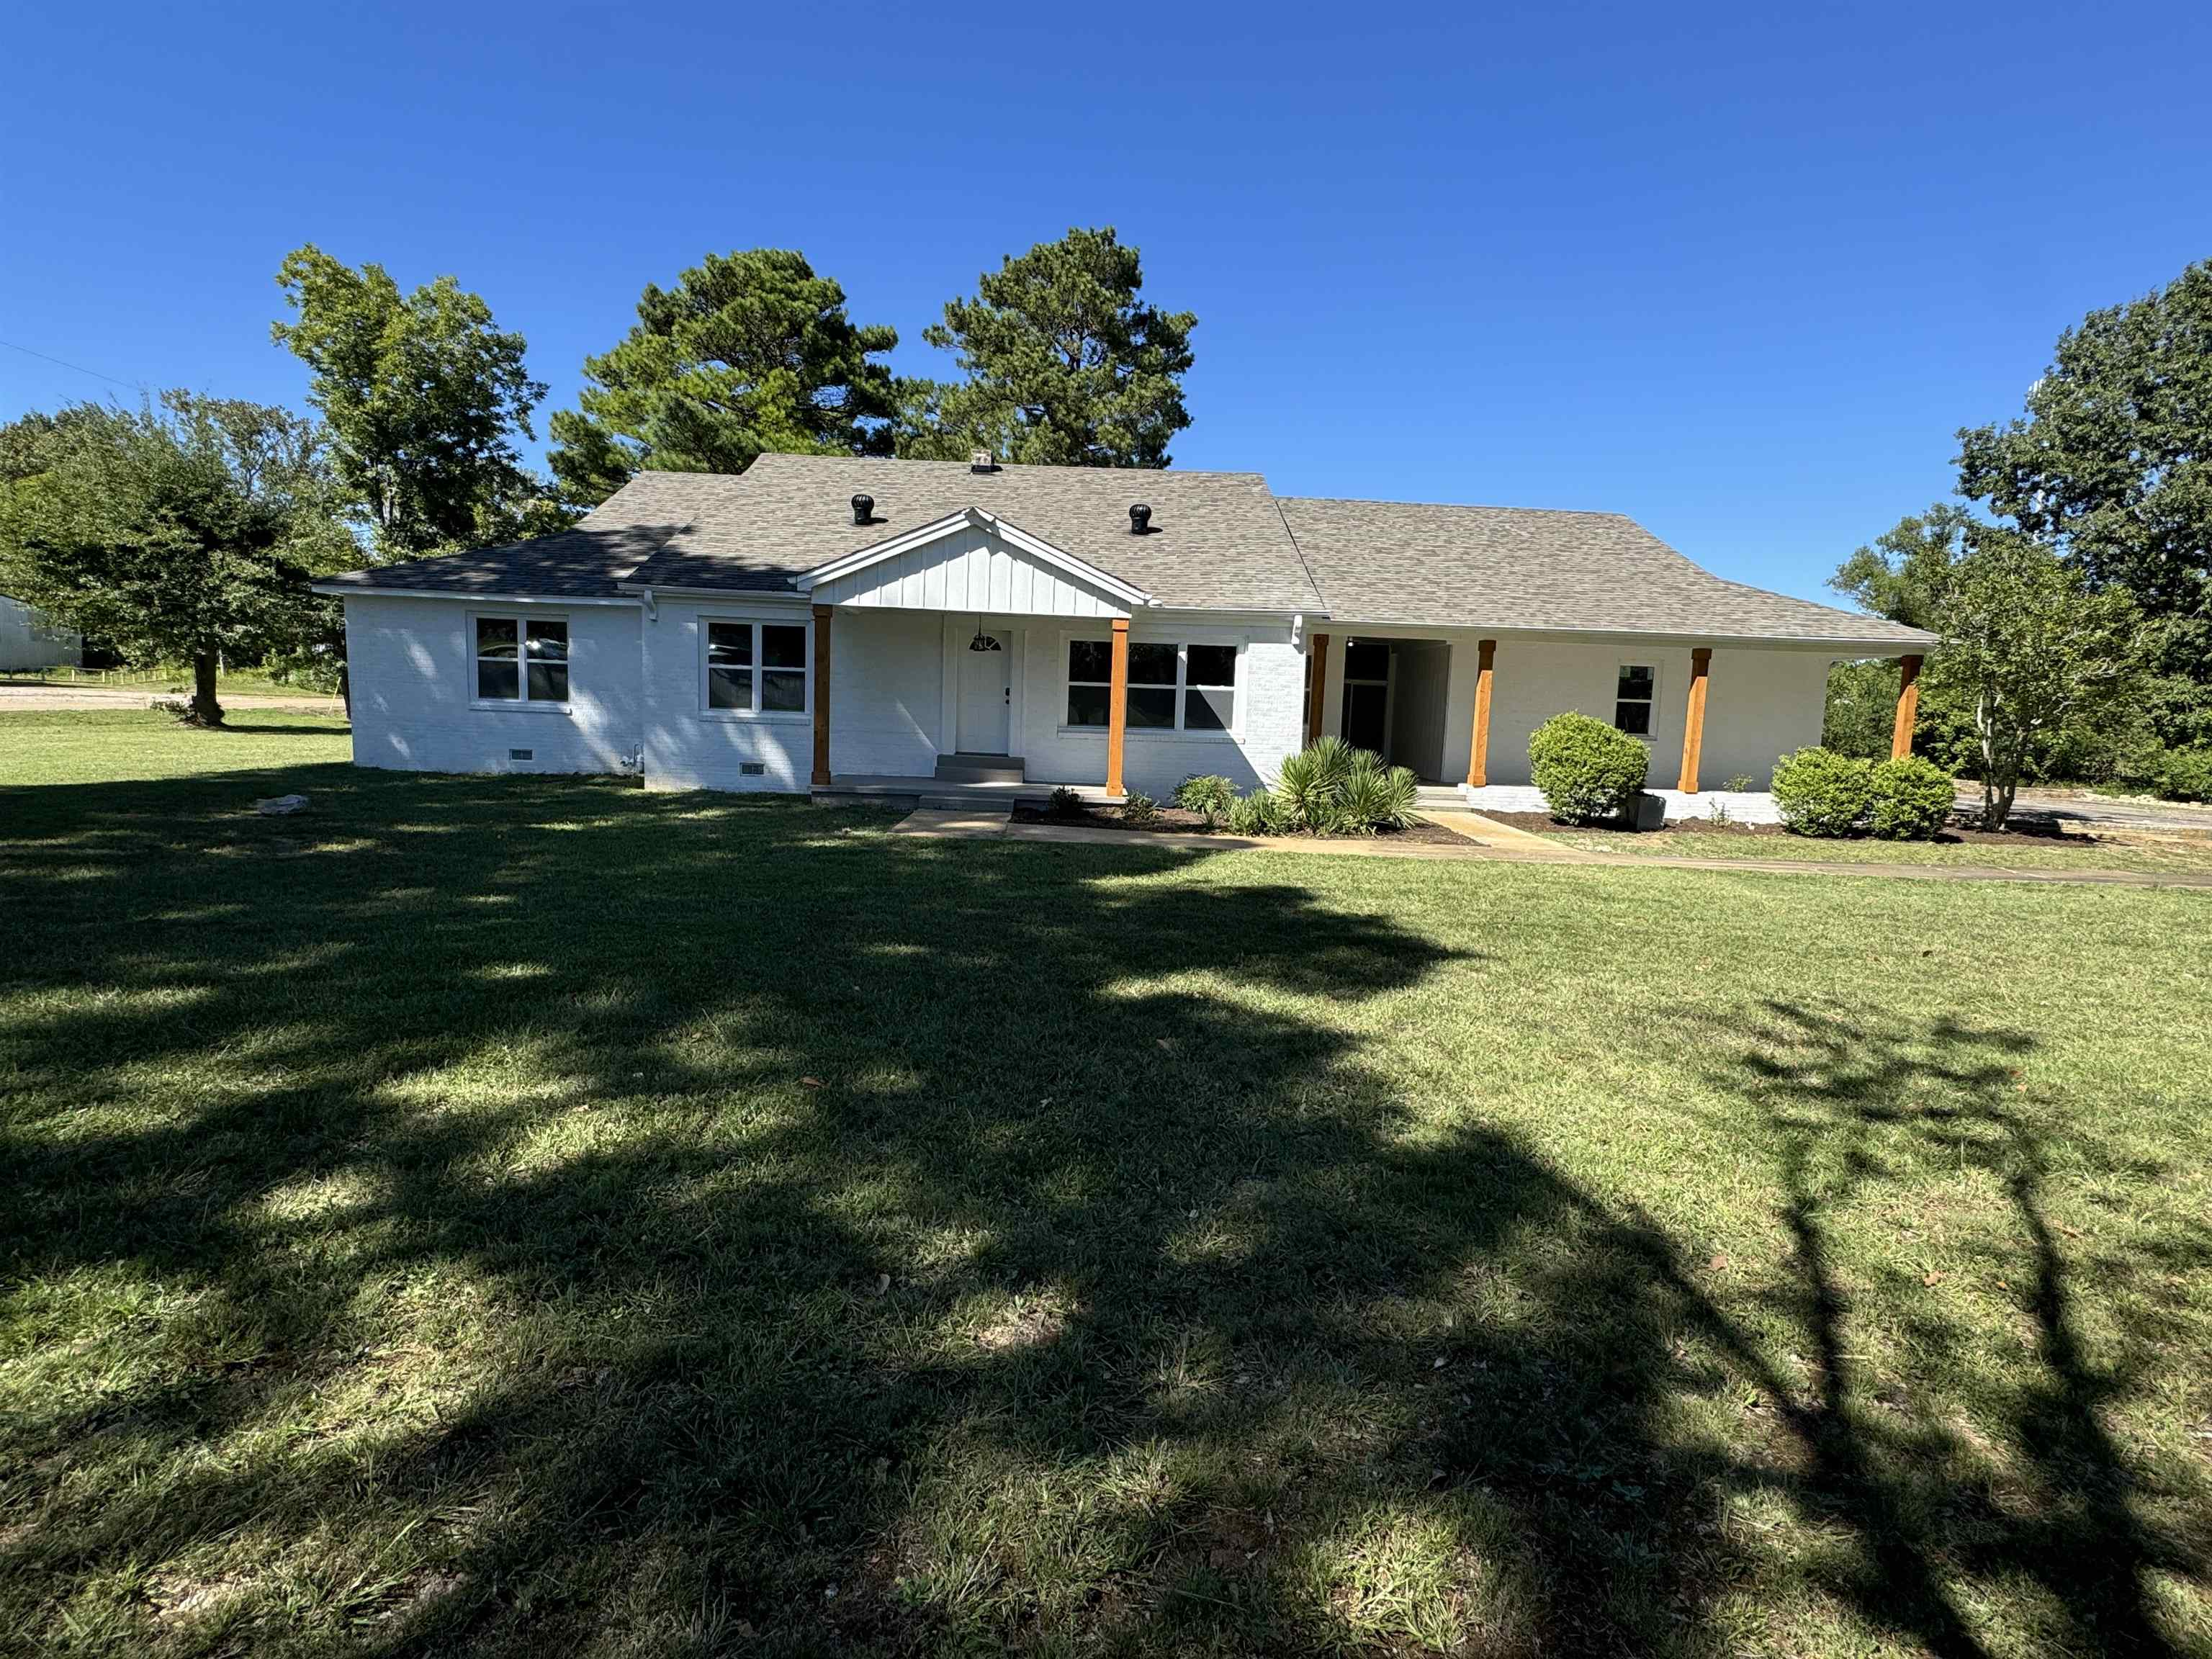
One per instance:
[(1503, 844)]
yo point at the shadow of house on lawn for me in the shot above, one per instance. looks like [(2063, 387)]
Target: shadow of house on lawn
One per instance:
[(544, 1216)]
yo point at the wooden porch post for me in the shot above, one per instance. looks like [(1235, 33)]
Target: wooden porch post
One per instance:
[(1117, 711), (1908, 707), (822, 696), (1478, 756), (1316, 686), (1693, 729)]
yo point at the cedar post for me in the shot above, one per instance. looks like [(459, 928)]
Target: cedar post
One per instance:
[(1117, 710), (1908, 707), (1693, 729), (822, 696), (1317, 687), (1478, 755)]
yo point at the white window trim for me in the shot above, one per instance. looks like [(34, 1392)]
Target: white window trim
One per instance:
[(1613, 704), (1178, 732), (758, 620), (522, 702)]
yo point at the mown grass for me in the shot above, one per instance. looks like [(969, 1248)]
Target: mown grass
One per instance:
[(2126, 851), (530, 1217)]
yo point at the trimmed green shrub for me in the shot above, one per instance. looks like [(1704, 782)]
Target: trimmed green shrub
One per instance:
[(1259, 813), (2186, 774), (1909, 799), (1821, 792), (1587, 770), (1208, 793), (1140, 809), (1064, 803)]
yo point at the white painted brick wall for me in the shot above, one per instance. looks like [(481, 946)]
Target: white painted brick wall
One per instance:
[(413, 671)]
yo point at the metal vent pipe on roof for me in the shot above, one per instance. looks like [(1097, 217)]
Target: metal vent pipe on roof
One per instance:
[(1140, 518), (864, 509)]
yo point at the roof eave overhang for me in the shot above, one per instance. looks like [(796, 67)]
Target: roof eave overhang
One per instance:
[(975, 517), (505, 596)]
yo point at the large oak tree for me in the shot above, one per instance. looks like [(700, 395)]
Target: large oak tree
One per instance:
[(425, 396)]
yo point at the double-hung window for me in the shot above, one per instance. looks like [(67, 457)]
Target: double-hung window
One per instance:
[(756, 667), (522, 659), (1633, 695), (1172, 688)]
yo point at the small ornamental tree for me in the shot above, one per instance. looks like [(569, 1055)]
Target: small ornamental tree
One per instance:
[(2037, 656), (1587, 770), (183, 532)]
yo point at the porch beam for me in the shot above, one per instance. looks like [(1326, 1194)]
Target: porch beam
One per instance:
[(821, 614), (1478, 755), (1117, 710), (1908, 707), (1693, 728), (1316, 686)]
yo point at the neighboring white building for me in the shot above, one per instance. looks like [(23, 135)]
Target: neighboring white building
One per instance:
[(829, 622), (28, 640)]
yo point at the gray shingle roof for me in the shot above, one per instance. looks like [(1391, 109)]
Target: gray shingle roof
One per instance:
[(1516, 568), (586, 561), (1219, 541)]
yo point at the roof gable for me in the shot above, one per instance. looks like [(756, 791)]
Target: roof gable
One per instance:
[(971, 560)]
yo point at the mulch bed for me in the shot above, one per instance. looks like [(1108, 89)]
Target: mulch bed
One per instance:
[(1955, 835), (1173, 820)]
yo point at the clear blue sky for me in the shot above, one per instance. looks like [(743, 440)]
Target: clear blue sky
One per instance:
[(1739, 276)]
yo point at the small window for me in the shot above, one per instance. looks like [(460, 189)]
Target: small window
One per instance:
[(1633, 697), (1186, 687), (522, 659), (756, 668), (1090, 682)]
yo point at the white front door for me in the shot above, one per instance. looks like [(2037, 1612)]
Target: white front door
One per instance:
[(986, 696)]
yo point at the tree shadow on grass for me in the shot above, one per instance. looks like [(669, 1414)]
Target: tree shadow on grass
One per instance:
[(1955, 1480), (539, 1215)]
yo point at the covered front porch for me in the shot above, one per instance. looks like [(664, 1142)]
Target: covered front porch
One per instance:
[(1458, 708)]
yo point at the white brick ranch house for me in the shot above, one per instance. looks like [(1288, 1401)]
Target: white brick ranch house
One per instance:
[(895, 626)]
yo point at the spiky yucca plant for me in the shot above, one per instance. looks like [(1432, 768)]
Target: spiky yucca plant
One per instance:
[(1375, 797), (1310, 785)]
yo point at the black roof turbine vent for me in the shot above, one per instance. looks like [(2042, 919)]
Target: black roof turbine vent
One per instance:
[(1140, 519), (864, 509)]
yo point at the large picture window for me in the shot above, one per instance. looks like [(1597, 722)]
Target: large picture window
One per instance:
[(522, 659), (1633, 697), (1172, 688), (756, 667)]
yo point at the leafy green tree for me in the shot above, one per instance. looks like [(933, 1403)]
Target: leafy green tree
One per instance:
[(1065, 366), (2041, 657), (2112, 464), (424, 395), (183, 532), (749, 352), (1900, 575)]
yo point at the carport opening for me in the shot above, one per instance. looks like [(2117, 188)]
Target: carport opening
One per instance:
[(1394, 701)]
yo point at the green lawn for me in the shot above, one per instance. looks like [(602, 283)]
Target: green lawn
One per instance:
[(2147, 853), (542, 1217)]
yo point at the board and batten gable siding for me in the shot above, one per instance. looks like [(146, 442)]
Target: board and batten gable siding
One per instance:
[(412, 667), (969, 570)]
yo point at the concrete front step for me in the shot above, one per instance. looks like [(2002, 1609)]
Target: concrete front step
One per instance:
[(980, 769)]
